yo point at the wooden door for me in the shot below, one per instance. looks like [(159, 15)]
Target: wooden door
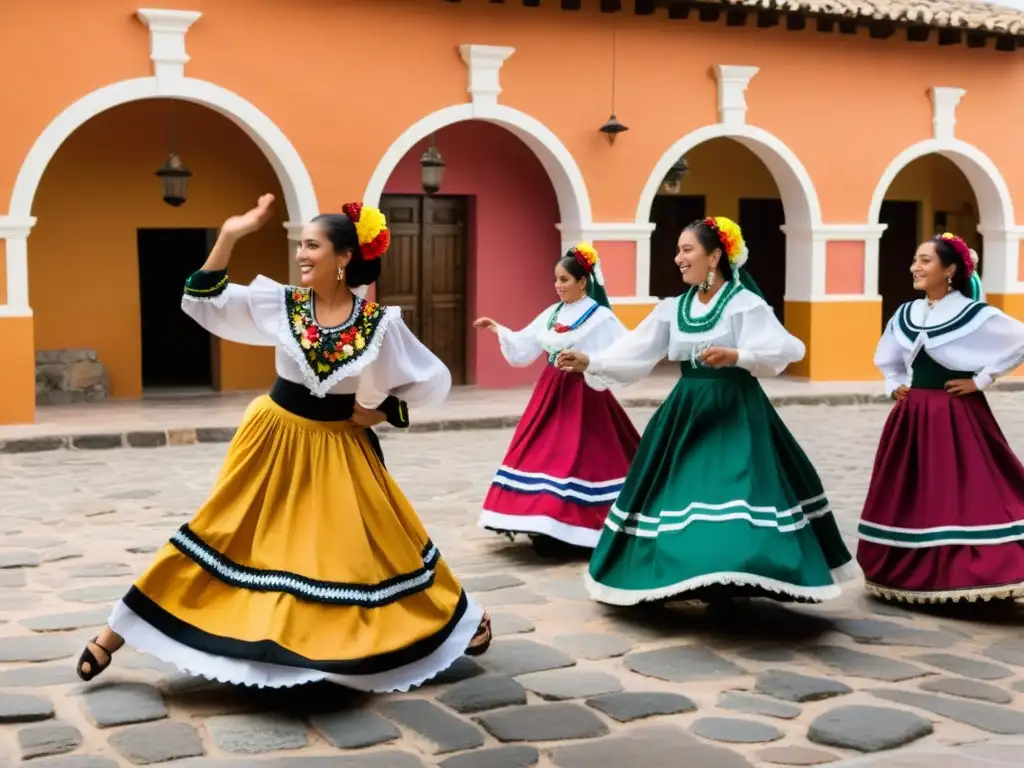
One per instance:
[(670, 214), (760, 219), (424, 273), (896, 252)]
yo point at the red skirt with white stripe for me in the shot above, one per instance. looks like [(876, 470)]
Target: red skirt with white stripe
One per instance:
[(566, 464)]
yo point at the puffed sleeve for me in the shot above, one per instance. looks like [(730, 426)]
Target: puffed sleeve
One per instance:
[(607, 330), (765, 346), (890, 361), (521, 348), (241, 313), (405, 368), (635, 353), (1001, 340)]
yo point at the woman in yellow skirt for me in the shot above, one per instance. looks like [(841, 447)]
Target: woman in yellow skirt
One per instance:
[(307, 562)]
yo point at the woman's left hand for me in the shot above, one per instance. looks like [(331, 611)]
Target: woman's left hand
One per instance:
[(961, 387), (364, 417), (720, 357)]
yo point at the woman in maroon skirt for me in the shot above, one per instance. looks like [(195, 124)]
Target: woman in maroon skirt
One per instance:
[(571, 451), (944, 516)]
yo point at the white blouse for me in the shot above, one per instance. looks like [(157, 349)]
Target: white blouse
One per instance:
[(747, 324), (599, 329), (392, 362), (957, 333)]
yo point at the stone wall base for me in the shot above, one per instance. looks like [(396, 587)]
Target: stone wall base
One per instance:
[(70, 376)]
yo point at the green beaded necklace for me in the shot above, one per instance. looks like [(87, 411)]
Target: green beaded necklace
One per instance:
[(693, 325)]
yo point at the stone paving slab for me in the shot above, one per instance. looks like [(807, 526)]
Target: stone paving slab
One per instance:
[(567, 682)]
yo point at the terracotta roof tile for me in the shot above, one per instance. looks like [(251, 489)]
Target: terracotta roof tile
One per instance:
[(956, 14)]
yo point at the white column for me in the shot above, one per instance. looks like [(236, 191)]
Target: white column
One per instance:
[(1000, 270), (15, 232)]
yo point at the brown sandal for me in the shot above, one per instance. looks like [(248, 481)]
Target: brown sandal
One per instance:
[(89, 658), (482, 639)]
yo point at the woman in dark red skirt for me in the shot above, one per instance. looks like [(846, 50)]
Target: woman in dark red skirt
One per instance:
[(944, 516), (571, 451)]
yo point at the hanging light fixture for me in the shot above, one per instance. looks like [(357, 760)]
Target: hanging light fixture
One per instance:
[(173, 174), (612, 127), (432, 168), (676, 172)]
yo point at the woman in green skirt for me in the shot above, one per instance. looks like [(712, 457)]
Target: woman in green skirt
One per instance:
[(720, 501)]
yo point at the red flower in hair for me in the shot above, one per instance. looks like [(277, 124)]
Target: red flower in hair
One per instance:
[(352, 210)]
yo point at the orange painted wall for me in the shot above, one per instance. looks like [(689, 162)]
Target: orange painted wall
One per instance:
[(665, 86), (17, 392), (99, 189)]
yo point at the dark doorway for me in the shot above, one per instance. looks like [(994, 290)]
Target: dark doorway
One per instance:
[(175, 349), (670, 214), (896, 251), (425, 272), (760, 220)]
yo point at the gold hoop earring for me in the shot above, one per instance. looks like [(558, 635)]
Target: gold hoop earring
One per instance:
[(341, 274)]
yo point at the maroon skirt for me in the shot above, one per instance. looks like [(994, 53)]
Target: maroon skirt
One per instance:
[(566, 465), (944, 516)]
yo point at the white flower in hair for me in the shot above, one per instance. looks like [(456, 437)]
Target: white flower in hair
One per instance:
[(741, 258)]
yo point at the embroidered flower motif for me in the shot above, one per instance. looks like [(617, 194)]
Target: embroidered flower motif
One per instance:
[(559, 328), (326, 349)]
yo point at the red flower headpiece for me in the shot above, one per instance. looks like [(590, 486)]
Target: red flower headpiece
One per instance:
[(962, 250), (585, 255), (371, 229)]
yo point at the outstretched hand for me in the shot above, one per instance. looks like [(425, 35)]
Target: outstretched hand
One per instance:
[(486, 324), (250, 221)]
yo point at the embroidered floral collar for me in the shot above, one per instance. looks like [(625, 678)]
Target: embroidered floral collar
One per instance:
[(330, 353)]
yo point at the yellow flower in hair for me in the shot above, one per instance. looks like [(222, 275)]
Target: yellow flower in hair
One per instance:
[(371, 222), (731, 235), (587, 252)]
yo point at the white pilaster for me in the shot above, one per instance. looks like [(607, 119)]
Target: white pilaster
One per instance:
[(167, 30), (944, 104), (1000, 269), (732, 83), (484, 64), (294, 238), (15, 232)]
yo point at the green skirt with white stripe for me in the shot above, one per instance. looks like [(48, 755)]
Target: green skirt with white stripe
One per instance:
[(720, 502)]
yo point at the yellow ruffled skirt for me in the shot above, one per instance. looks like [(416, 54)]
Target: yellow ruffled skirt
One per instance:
[(306, 563)]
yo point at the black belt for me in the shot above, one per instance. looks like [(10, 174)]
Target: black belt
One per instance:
[(295, 398)]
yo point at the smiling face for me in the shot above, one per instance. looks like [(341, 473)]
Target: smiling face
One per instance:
[(569, 288), (693, 261), (317, 259), (928, 271)]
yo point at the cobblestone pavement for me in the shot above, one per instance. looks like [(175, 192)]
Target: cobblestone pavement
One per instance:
[(568, 683)]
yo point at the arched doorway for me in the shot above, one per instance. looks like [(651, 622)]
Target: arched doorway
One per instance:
[(109, 256), (485, 244), (721, 178), (745, 173), (929, 196)]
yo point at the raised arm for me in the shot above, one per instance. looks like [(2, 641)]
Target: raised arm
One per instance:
[(218, 305)]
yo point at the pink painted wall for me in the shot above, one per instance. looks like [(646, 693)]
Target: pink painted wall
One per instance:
[(844, 266), (512, 241), (618, 264)]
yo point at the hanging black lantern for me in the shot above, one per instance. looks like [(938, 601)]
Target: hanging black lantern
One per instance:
[(676, 172), (612, 128), (432, 166), (174, 176)]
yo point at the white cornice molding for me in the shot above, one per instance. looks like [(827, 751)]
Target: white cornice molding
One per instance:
[(944, 104), (484, 64), (732, 85)]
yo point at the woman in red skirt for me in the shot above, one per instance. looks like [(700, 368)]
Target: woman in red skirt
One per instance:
[(944, 516), (571, 451)]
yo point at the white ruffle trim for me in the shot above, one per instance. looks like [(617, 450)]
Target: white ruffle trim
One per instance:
[(615, 596), (847, 572), (146, 638), (545, 526)]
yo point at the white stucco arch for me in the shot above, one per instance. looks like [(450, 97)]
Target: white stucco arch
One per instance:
[(300, 197), (997, 222), (299, 194), (561, 167), (805, 257)]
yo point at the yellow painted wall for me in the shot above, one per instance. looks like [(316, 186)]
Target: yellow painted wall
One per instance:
[(99, 189), (939, 185), (723, 171)]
